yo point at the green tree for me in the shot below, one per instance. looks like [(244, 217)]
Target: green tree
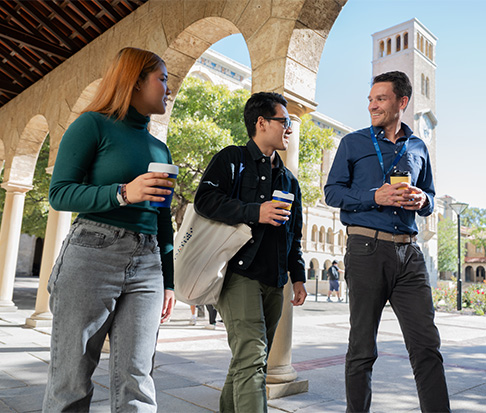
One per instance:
[(36, 206), (313, 142), (475, 219), (447, 245), (205, 119), (208, 117)]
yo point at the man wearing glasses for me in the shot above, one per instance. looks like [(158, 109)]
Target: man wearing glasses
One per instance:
[(252, 296)]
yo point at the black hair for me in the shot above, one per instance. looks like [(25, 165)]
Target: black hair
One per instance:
[(261, 104), (401, 83)]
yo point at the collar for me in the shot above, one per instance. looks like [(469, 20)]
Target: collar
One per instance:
[(135, 119), (256, 154), (380, 133)]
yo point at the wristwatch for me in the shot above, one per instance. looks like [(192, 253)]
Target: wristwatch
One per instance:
[(119, 196)]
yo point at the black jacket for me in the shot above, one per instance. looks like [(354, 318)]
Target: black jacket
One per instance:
[(213, 200)]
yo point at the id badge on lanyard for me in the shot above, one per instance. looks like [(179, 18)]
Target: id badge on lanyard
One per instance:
[(380, 156)]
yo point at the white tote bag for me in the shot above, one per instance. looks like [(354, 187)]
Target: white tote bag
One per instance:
[(202, 249)]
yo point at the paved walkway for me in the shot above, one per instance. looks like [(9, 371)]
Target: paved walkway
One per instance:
[(191, 362)]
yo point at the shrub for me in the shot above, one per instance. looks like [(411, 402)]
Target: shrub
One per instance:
[(473, 297)]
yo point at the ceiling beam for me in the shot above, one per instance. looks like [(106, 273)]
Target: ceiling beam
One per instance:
[(7, 32), (10, 87), (49, 26)]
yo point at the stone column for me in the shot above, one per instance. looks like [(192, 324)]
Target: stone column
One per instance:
[(58, 224), (9, 241), (281, 376)]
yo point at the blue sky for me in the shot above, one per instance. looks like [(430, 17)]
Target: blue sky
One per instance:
[(344, 79)]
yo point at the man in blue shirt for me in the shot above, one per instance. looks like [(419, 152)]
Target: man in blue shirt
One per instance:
[(383, 262)]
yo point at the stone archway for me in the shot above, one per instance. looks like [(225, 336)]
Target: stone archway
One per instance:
[(18, 176), (285, 39)]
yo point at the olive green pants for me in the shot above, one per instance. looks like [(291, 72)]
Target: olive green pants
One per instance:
[(250, 312)]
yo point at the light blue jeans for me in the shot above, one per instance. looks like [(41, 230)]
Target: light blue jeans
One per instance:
[(106, 280)]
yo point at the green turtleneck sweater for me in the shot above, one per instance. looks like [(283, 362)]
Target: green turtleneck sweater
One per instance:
[(96, 154)]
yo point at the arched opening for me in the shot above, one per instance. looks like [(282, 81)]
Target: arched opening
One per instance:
[(314, 233), (322, 235), (469, 274), (313, 269), (388, 47), (330, 236), (405, 40), (382, 48), (480, 274), (398, 43)]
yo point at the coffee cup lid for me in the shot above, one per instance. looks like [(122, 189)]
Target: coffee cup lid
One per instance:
[(163, 167), (284, 195), (400, 173)]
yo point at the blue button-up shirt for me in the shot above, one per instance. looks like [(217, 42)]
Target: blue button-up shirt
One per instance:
[(356, 174)]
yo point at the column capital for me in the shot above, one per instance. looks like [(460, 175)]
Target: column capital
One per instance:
[(298, 104), (16, 187)]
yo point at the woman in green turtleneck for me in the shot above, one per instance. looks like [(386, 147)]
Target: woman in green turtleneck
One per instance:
[(114, 274)]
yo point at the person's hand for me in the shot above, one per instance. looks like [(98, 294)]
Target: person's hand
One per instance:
[(416, 199), (272, 211), (145, 187), (401, 194), (300, 293), (169, 302)]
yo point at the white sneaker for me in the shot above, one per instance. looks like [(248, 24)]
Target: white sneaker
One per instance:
[(192, 321), (211, 327)]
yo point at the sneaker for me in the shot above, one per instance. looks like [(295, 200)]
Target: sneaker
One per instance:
[(211, 327), (340, 300), (192, 321), (329, 300)]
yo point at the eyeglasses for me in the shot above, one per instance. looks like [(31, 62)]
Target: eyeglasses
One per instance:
[(286, 121)]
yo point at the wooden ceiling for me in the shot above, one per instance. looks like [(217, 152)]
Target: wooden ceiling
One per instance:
[(36, 36)]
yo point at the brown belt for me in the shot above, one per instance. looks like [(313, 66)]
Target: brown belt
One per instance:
[(384, 236)]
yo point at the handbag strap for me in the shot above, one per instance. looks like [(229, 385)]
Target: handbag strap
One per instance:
[(235, 193)]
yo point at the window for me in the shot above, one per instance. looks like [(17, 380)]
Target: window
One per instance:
[(388, 46), (422, 87), (330, 236), (322, 235), (398, 41), (405, 40), (382, 48), (427, 87), (314, 233)]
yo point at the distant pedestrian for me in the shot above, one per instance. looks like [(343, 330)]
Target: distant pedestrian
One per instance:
[(333, 277)]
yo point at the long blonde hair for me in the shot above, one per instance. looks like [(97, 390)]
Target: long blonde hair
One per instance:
[(115, 90)]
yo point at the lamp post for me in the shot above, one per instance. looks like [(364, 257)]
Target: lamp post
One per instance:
[(459, 208)]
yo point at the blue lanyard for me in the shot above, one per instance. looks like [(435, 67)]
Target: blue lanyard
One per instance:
[(380, 157)]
